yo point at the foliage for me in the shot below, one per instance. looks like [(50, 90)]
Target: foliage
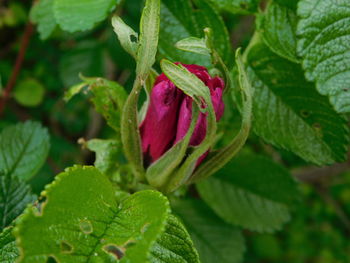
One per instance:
[(256, 196)]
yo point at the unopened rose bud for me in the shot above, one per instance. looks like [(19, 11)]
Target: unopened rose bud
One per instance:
[(169, 115)]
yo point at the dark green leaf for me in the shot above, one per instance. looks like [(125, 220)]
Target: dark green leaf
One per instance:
[(238, 6), (23, 149), (174, 245), (90, 224), (324, 45), (215, 240), (278, 30), (289, 113), (251, 191), (184, 18)]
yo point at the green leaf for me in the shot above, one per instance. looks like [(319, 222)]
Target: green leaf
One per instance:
[(127, 36), (289, 113), (324, 46), (42, 14), (14, 197), (81, 15), (107, 154), (183, 19), (174, 245), (255, 198), (23, 149), (278, 30), (238, 6), (194, 44), (90, 224), (109, 99), (8, 249), (215, 240), (29, 92)]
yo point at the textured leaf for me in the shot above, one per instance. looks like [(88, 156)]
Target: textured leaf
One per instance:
[(193, 44), (238, 6), (80, 15), (289, 113), (14, 197), (174, 245), (255, 198), (42, 14), (90, 224), (278, 30), (184, 18), (23, 149), (215, 240), (8, 250), (127, 36), (324, 45)]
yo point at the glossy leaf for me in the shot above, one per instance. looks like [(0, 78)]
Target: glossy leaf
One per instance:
[(23, 149), (289, 112), (90, 224), (215, 240), (278, 30), (256, 198), (324, 45)]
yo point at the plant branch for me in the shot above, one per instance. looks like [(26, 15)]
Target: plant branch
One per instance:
[(18, 65)]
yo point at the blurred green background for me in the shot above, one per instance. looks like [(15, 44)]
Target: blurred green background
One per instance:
[(319, 230)]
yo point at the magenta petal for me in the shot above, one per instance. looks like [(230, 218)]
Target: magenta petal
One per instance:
[(159, 126)]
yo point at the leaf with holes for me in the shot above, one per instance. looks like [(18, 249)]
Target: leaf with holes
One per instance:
[(215, 240), (278, 30), (42, 14), (174, 245), (182, 19), (289, 112), (324, 45), (23, 149), (8, 249), (256, 199), (90, 224), (14, 197), (81, 15)]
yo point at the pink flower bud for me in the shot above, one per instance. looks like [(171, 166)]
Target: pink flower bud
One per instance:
[(169, 115)]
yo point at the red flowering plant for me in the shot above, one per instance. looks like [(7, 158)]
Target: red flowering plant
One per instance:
[(172, 145)]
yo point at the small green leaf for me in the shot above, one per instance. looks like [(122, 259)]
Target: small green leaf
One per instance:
[(29, 92), (215, 240), (289, 112), (42, 14), (127, 36), (193, 44), (255, 198), (8, 249), (90, 224), (15, 195), (183, 19), (81, 15), (174, 245), (324, 45), (278, 30), (24, 148)]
